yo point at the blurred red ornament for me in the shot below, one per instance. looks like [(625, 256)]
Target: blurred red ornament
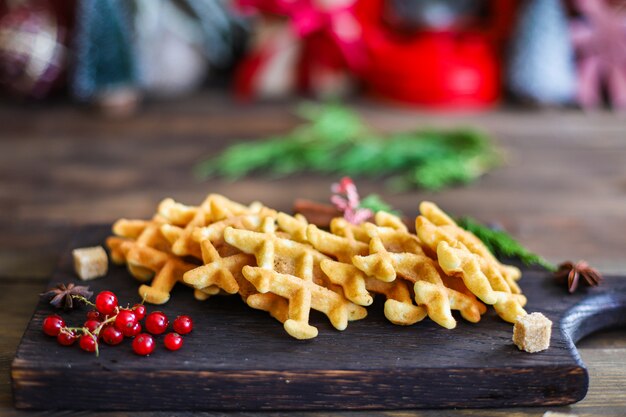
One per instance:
[(314, 46), (32, 53), (437, 68), (304, 46)]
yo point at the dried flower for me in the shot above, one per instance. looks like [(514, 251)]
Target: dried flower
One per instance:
[(347, 200), (570, 273), (65, 295)]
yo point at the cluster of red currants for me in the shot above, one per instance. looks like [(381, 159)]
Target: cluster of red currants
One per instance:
[(110, 323)]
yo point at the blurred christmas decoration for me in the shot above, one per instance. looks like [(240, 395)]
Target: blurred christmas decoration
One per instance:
[(105, 71), (436, 53), (178, 41), (541, 68), (599, 37), (32, 51), (450, 57), (125, 49), (336, 141), (305, 46), (169, 49)]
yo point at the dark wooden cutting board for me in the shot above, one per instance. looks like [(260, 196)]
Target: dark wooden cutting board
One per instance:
[(240, 358)]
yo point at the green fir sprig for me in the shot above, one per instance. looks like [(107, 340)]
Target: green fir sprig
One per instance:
[(501, 244), (375, 203), (335, 140)]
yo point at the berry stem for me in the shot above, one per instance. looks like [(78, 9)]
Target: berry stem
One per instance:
[(96, 332), (96, 339), (83, 331), (84, 300), (104, 323)]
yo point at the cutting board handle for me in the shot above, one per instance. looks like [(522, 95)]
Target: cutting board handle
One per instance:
[(595, 312)]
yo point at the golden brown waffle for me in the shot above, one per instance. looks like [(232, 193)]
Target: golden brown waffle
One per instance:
[(399, 309), (429, 287), (147, 246), (146, 233), (385, 219), (342, 248), (281, 264), (165, 270), (147, 253), (436, 216), (215, 231), (217, 271), (292, 270), (458, 261), (483, 275), (295, 226), (213, 209), (341, 227), (226, 273)]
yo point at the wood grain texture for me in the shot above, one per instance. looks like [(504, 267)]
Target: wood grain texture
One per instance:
[(238, 358), (562, 193)]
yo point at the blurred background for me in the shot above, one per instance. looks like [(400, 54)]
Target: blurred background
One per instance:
[(507, 110), (115, 55)]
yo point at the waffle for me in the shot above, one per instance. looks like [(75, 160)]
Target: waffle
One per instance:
[(461, 254), (292, 270), (285, 266), (163, 268), (429, 287), (226, 273), (213, 209), (399, 309), (147, 253)]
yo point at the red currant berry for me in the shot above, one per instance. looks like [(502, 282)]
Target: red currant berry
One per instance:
[(91, 325), (112, 336), (66, 338), (52, 325), (132, 331), (125, 319), (94, 315), (143, 344), (106, 303), (88, 343), (183, 324), (173, 341), (140, 311), (156, 322)]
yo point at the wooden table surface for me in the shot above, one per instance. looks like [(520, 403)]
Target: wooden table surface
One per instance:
[(562, 193)]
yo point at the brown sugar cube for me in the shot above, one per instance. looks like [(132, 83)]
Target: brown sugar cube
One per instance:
[(90, 263), (531, 333)]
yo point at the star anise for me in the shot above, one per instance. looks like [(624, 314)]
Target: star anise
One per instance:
[(571, 273), (65, 295)]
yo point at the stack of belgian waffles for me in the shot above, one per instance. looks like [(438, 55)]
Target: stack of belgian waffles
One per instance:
[(284, 265)]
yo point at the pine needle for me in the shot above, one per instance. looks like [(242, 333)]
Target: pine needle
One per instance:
[(336, 141), (375, 203), (501, 244)]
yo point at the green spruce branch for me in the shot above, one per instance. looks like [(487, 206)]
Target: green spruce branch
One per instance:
[(336, 141), (501, 244), (375, 203)]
